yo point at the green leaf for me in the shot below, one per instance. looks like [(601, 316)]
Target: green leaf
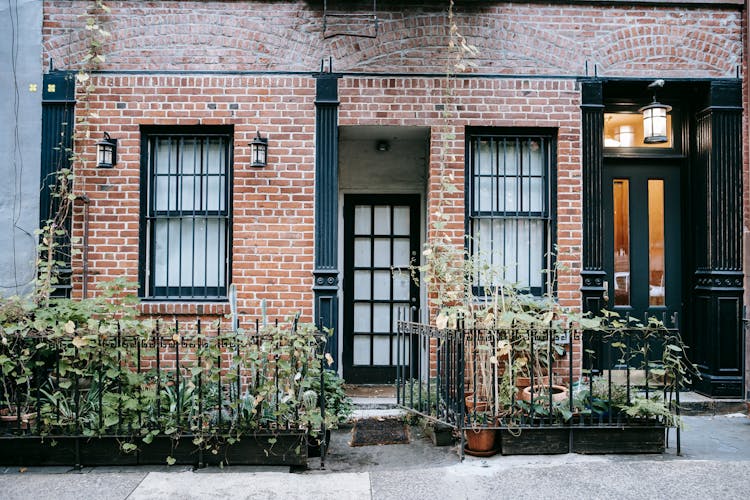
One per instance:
[(171, 461), (128, 447)]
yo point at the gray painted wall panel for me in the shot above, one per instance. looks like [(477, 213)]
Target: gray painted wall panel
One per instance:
[(20, 133)]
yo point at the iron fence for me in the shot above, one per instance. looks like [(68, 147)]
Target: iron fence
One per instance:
[(177, 381), (557, 376)]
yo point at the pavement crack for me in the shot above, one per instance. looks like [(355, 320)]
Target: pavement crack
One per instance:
[(137, 486)]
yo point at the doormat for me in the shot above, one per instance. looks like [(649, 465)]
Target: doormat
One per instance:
[(373, 431)]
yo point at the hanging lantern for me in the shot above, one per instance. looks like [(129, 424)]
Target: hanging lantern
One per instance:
[(655, 122), (259, 151), (106, 152)]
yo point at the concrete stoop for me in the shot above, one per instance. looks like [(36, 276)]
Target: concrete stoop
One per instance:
[(692, 403), (378, 407)]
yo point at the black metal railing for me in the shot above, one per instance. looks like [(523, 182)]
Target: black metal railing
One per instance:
[(173, 380), (558, 375)]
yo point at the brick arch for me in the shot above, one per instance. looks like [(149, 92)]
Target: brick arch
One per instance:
[(503, 46), (508, 46), (391, 50), (200, 40), (647, 48)]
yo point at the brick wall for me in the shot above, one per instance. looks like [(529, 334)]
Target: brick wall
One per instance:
[(273, 207)]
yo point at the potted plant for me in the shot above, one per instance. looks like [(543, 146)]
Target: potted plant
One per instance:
[(480, 439)]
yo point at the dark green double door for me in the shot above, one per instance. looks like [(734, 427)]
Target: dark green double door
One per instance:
[(381, 240), (643, 244)]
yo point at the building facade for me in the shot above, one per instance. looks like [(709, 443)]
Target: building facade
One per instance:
[(541, 139)]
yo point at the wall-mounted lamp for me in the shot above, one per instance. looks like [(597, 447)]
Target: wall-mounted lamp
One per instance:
[(655, 118), (382, 146), (106, 156), (259, 151)]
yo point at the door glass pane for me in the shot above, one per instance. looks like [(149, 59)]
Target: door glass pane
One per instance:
[(362, 252), (620, 189), (362, 217), (401, 252), (382, 252), (382, 285), (381, 350), (401, 221), (656, 242), (361, 285), (362, 317), (361, 350), (382, 220), (401, 282), (381, 319)]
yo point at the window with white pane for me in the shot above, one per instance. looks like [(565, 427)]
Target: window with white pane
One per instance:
[(186, 212), (509, 209)]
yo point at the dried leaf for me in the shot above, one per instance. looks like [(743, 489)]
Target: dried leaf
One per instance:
[(80, 342)]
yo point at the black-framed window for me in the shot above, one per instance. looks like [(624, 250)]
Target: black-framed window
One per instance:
[(510, 204), (185, 207)]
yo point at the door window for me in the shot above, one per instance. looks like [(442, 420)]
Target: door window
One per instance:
[(381, 241)]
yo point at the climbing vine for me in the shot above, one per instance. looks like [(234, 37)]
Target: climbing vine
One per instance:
[(54, 234)]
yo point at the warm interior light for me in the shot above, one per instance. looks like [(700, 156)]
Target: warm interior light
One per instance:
[(625, 136)]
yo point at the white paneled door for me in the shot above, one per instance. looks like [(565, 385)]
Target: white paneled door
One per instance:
[(381, 241)]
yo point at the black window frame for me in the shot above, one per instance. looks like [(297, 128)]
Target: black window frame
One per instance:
[(204, 293), (548, 138)]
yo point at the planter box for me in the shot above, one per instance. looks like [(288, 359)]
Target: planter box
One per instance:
[(631, 439), (440, 434), (535, 441), (289, 448)]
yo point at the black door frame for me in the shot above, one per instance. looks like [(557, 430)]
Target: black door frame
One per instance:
[(712, 139), (378, 374)]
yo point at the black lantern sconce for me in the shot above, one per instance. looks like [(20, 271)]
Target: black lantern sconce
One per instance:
[(259, 151), (106, 155), (655, 118)]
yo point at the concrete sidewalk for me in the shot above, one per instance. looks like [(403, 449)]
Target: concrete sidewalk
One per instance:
[(715, 464)]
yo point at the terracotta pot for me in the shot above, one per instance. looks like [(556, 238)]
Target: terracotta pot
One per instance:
[(473, 405), (11, 419), (559, 393), (480, 439)]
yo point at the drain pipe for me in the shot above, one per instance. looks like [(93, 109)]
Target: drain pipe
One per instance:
[(86, 203)]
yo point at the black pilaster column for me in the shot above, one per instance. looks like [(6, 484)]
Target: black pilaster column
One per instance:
[(592, 161), (718, 279), (326, 279)]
